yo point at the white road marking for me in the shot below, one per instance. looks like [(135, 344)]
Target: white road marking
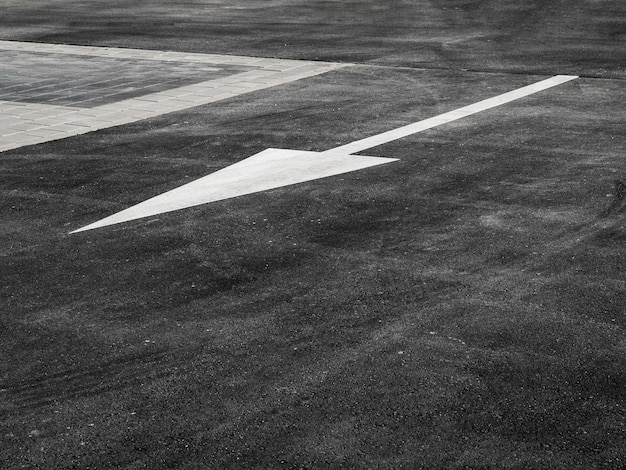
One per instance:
[(450, 116), (269, 169), (275, 168)]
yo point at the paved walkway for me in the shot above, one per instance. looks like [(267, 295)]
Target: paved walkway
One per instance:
[(52, 91)]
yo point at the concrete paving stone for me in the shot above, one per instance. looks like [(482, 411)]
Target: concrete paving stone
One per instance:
[(47, 122), (78, 121), (140, 110), (96, 124), (22, 139), (152, 99), (234, 86), (181, 104), (45, 132), (105, 120), (94, 112), (121, 120), (10, 110), (282, 67), (202, 91), (6, 133), (199, 88), (39, 114), (190, 99), (247, 84), (80, 116), (21, 108), (64, 128), (131, 113), (223, 80), (170, 93), (138, 103), (258, 75), (52, 111), (5, 147), (112, 107), (24, 126), (297, 71), (33, 141), (222, 95)]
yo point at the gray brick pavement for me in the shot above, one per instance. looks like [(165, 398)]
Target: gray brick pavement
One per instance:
[(52, 91)]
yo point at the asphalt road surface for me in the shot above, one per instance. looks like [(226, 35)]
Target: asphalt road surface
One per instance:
[(460, 308)]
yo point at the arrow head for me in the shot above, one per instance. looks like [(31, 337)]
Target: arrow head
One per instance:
[(269, 169)]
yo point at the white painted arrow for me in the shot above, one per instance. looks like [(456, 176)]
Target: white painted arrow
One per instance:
[(275, 168), (269, 169)]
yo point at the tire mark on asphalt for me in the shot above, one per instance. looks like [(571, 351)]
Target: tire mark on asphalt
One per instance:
[(113, 374)]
